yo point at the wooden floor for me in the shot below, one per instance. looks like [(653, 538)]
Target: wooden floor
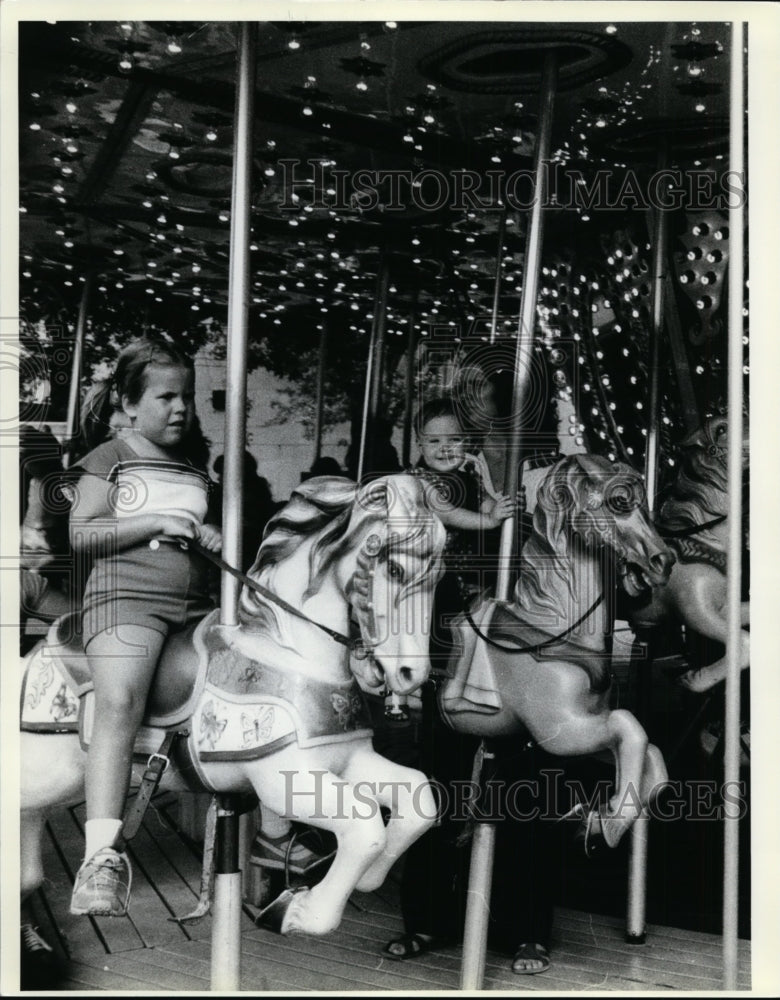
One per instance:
[(146, 951)]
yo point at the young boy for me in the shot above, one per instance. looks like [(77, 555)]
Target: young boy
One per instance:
[(458, 497), (468, 508)]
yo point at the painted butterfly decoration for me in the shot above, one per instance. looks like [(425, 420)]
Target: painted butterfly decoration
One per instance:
[(257, 728), (211, 728), (64, 705)]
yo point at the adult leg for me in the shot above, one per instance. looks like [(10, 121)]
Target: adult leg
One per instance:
[(436, 866), (523, 889)]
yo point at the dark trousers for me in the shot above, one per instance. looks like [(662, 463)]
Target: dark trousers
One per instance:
[(436, 867)]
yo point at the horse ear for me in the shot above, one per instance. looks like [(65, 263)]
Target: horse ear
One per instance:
[(373, 496)]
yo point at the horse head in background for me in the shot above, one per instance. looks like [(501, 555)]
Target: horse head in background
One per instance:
[(539, 663), (271, 705), (693, 517)]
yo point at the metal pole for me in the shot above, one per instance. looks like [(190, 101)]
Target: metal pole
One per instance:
[(238, 319), (77, 363), (497, 283), (373, 396), (226, 922), (660, 229), (734, 557), (637, 862), (411, 349), (483, 844), (323, 353), (525, 332), (225, 931)]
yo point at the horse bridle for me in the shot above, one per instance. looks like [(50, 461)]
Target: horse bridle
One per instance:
[(356, 645), (552, 641), (695, 529)]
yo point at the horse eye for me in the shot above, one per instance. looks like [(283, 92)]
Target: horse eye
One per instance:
[(622, 500), (394, 570)]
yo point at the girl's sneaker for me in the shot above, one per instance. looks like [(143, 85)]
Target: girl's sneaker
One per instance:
[(102, 886)]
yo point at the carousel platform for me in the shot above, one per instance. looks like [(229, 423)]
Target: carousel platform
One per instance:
[(146, 951)]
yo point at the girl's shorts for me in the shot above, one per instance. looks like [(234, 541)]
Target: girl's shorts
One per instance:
[(162, 589)]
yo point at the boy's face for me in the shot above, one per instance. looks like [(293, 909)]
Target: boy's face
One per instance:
[(442, 444)]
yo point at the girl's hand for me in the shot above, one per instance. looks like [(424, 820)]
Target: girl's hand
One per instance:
[(175, 527), (210, 537)]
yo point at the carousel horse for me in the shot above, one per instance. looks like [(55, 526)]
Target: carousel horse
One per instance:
[(539, 663), (272, 705), (693, 516)]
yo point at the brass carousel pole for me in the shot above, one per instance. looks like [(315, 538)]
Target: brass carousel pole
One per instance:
[(77, 364), (637, 862), (732, 751), (320, 404), (483, 844), (411, 350), (497, 283), (376, 349), (226, 925), (660, 239)]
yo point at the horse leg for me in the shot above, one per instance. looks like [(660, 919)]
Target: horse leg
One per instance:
[(52, 773), (566, 721), (322, 799), (407, 794), (638, 769), (30, 860), (703, 606)]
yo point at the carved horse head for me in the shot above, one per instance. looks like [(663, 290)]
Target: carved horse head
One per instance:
[(588, 502), (694, 505), (378, 548)]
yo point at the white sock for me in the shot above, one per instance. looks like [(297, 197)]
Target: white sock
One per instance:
[(100, 833)]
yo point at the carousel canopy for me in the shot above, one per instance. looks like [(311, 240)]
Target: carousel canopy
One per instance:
[(381, 140)]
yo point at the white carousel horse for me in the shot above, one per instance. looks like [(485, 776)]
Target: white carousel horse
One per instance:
[(693, 516), (271, 706), (539, 663)]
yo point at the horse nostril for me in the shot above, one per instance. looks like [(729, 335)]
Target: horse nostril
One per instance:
[(406, 674), (662, 562)]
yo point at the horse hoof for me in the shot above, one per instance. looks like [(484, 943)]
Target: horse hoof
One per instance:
[(272, 917), (600, 830)]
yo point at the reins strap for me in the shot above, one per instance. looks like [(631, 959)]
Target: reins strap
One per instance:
[(695, 529), (155, 769), (259, 589), (552, 641)]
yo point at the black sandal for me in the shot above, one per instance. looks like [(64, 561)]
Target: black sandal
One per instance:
[(531, 952), (409, 946)]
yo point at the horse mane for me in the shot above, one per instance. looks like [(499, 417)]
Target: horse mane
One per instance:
[(313, 505), (699, 492), (336, 510), (543, 563), (552, 556)]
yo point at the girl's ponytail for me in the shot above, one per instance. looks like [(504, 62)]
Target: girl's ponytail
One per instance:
[(98, 405)]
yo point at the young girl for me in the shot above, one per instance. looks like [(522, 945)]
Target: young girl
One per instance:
[(132, 490)]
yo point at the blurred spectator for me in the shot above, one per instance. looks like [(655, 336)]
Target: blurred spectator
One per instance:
[(43, 510), (325, 465), (258, 507)]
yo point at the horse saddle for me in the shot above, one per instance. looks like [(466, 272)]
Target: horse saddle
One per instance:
[(58, 690), (473, 686), (231, 705)]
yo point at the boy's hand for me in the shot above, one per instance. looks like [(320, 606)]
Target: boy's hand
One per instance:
[(210, 537), (498, 510)]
